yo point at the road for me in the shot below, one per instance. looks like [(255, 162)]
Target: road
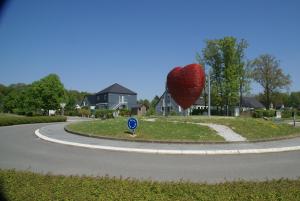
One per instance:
[(22, 150)]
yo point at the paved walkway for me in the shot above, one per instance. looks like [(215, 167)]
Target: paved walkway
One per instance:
[(56, 133)]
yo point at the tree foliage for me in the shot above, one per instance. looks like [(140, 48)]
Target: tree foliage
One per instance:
[(229, 75), (267, 72)]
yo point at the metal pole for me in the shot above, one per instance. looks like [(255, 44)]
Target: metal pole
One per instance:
[(209, 93)]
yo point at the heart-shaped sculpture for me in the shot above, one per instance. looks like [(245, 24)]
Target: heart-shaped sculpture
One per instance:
[(186, 84)]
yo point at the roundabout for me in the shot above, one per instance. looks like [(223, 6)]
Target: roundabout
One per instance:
[(21, 149)]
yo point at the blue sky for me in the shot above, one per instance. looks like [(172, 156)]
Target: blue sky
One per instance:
[(92, 44)]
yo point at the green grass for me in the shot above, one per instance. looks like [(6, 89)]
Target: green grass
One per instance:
[(251, 128), (30, 186), (159, 130), (9, 119)]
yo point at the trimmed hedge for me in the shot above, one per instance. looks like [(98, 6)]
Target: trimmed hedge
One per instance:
[(104, 114), (15, 120), (30, 186), (263, 113)]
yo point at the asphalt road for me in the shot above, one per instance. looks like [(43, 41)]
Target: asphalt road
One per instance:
[(22, 150)]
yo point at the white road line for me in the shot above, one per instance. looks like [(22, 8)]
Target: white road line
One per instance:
[(166, 151)]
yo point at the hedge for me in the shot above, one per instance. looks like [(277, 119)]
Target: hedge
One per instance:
[(263, 113), (15, 120), (30, 186), (104, 114)]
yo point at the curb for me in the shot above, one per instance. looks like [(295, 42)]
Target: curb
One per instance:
[(166, 151)]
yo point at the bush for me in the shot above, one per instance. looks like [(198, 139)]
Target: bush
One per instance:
[(31, 186), (104, 114), (72, 113), (198, 111), (263, 113), (125, 112), (288, 113), (84, 112), (14, 120)]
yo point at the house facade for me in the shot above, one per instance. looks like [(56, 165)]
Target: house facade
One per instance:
[(167, 105), (113, 97)]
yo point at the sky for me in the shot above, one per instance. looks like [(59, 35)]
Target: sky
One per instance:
[(92, 44)]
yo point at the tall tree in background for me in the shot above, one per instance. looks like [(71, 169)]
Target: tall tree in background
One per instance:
[(46, 94), (229, 78), (267, 72)]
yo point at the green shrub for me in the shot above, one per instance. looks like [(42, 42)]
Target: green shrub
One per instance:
[(150, 112), (15, 120), (259, 113), (72, 113), (84, 112), (125, 112), (269, 113), (104, 114), (288, 113), (31, 186)]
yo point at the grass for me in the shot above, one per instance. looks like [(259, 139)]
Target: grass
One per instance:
[(250, 128), (15, 185), (9, 119), (158, 130)]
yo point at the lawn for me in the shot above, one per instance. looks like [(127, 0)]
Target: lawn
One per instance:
[(158, 130), (16, 185), (250, 128)]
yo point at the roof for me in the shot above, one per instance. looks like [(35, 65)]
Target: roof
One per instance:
[(199, 101), (91, 99), (117, 89), (251, 102)]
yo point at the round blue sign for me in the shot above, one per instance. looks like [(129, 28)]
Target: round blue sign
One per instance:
[(132, 123)]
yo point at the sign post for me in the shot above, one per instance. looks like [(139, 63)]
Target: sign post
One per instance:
[(132, 124)]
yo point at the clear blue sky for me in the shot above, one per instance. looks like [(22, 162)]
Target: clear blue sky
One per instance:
[(92, 44)]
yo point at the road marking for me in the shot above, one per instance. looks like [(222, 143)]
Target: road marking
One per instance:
[(167, 151)]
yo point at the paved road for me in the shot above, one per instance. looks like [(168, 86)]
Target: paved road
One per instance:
[(22, 150)]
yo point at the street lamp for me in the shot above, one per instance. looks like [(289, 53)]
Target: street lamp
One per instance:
[(209, 93)]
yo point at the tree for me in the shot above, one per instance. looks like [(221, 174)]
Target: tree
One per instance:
[(294, 100), (229, 75), (267, 72), (48, 93)]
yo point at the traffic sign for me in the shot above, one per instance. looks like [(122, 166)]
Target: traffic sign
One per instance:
[(132, 124)]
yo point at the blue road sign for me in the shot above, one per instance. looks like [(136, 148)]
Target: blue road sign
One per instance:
[(132, 123)]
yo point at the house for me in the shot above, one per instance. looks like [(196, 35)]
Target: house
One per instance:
[(167, 105), (113, 97), (139, 110), (250, 103)]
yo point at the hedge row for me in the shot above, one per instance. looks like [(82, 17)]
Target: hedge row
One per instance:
[(264, 113), (287, 113), (104, 114), (14, 120), (30, 186)]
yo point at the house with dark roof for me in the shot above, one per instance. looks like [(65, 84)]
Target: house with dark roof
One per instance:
[(113, 97), (250, 103)]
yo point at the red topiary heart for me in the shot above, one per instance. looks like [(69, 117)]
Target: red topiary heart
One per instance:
[(186, 84)]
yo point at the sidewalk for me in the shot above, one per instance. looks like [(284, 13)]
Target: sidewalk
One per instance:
[(56, 133)]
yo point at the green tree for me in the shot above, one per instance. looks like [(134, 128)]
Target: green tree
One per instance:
[(229, 73), (294, 100), (267, 72), (48, 93)]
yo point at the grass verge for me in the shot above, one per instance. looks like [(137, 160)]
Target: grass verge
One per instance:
[(250, 128), (8, 120), (154, 131), (16, 185)]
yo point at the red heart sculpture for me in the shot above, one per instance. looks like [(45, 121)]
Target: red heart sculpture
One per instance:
[(186, 84)]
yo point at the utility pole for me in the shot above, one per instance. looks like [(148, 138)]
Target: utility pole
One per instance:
[(209, 93)]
